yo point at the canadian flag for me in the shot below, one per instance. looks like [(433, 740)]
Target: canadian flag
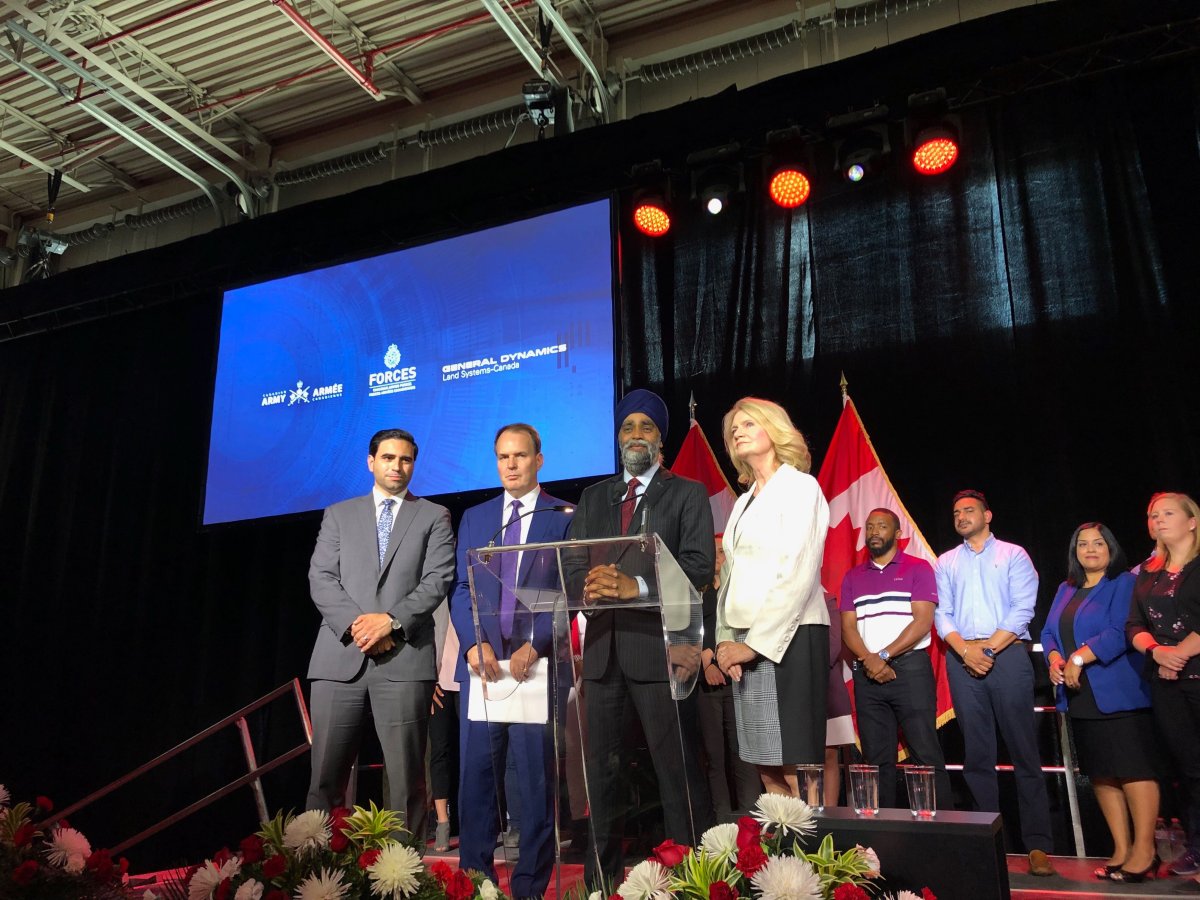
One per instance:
[(854, 483), (696, 460)]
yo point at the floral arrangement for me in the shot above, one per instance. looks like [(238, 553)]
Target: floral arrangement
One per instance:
[(761, 857), (56, 863), (340, 855)]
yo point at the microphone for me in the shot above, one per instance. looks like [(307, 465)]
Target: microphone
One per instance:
[(559, 507)]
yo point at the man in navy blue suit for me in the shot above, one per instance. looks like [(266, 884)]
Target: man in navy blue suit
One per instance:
[(523, 514)]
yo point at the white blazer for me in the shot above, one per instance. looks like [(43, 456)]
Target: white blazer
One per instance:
[(771, 581)]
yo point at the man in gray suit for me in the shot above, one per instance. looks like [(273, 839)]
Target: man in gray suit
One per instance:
[(381, 566)]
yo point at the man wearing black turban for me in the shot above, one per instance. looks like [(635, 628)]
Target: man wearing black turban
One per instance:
[(623, 659)]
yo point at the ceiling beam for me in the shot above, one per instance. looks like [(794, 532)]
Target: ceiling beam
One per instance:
[(38, 164), (370, 49), (119, 77), (107, 29)]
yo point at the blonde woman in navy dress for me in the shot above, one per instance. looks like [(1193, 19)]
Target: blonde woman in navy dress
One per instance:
[(772, 621)]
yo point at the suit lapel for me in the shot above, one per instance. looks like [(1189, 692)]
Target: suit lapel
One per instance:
[(539, 531), (405, 513), (618, 487), (652, 498), (1094, 596)]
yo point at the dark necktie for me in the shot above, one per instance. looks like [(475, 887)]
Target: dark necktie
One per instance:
[(628, 504), (383, 530), (508, 572)]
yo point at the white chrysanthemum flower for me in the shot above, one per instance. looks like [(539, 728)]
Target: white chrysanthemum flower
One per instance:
[(785, 813), (307, 833), (595, 895), (648, 879), (870, 858), (906, 895), (394, 873), (249, 890), (5, 796), (720, 842), (787, 878), (324, 885), (68, 849), (487, 890), (204, 881), (231, 867)]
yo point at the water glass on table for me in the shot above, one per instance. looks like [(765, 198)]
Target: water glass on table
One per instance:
[(864, 789), (810, 779), (922, 791)]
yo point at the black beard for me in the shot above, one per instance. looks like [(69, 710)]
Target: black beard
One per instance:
[(637, 460), (882, 550)]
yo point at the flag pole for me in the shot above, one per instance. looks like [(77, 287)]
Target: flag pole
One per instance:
[(844, 385), (692, 408)]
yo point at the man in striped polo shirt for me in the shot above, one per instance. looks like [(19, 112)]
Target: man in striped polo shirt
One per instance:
[(887, 616)]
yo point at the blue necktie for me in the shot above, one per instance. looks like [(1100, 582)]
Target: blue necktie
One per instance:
[(508, 572), (383, 529)]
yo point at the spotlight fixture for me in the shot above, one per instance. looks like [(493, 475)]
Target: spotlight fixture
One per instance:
[(933, 133), (860, 141), (539, 101), (651, 212), (784, 171), (935, 150), (717, 174), (650, 215)]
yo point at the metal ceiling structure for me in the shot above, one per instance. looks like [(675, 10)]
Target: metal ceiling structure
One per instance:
[(138, 103)]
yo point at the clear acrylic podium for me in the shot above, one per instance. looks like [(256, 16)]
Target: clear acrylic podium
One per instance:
[(526, 602)]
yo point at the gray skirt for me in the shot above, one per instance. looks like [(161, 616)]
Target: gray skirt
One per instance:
[(780, 708)]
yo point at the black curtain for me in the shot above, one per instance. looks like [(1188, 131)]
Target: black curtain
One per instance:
[(1025, 324)]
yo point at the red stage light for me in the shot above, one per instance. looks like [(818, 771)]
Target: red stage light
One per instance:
[(651, 218), (789, 188), (936, 151)]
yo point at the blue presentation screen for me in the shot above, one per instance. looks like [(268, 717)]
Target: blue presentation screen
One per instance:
[(448, 340)]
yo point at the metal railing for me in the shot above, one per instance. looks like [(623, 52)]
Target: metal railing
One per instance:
[(251, 778)]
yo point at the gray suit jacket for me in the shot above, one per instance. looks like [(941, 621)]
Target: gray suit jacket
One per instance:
[(345, 581)]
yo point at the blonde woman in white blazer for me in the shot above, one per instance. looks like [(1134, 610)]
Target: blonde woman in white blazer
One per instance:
[(772, 621)]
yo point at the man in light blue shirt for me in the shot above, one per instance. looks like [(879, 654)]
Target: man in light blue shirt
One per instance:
[(987, 590)]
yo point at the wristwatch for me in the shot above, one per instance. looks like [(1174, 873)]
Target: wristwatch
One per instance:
[(989, 652), (397, 628), (884, 655), (1078, 660)]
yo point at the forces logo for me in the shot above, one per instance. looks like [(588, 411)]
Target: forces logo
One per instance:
[(391, 359)]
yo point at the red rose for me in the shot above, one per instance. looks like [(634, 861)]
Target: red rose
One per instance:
[(719, 890), (23, 835), (460, 887), (749, 833), (44, 803), (850, 891), (100, 865), (368, 857), (441, 871), (671, 854), (274, 866), (252, 849), (276, 894), (223, 889), (927, 894), (221, 857), (23, 874), (750, 860), (122, 866), (341, 812), (338, 840)]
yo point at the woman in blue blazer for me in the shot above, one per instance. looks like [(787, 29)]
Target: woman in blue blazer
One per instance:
[(1100, 687)]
